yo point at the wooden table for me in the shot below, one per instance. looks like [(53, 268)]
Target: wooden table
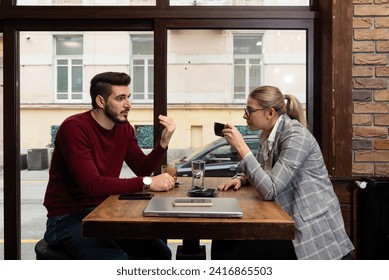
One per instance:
[(123, 219)]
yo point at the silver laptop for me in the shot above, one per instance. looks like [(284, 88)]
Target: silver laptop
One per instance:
[(222, 207)]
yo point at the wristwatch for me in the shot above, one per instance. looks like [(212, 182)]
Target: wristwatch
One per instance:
[(146, 183)]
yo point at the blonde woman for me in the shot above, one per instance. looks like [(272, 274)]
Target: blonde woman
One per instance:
[(290, 169)]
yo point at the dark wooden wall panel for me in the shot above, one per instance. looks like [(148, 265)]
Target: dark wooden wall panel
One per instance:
[(335, 101)]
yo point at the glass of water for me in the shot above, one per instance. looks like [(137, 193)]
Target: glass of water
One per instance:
[(198, 170)]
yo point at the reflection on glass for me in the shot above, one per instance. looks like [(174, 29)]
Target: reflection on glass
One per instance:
[(239, 2), (86, 2)]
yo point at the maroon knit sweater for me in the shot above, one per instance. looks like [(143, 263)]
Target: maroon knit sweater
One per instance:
[(87, 161)]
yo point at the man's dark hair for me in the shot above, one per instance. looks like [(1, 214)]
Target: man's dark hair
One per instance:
[(102, 83)]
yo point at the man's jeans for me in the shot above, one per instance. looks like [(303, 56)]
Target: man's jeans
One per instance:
[(65, 232)]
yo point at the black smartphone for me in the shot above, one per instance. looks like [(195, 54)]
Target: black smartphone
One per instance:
[(218, 129), (132, 196)]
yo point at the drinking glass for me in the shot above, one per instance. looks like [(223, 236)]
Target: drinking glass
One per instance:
[(198, 170)]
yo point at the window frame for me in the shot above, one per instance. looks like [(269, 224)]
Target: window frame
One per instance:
[(328, 53)]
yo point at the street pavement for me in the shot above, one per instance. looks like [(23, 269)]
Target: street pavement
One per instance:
[(33, 213)]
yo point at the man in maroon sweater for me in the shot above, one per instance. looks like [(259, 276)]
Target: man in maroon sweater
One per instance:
[(89, 152)]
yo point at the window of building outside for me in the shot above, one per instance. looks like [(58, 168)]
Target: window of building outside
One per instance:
[(69, 68), (172, 2), (142, 67), (247, 64)]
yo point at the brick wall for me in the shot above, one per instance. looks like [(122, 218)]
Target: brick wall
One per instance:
[(371, 87)]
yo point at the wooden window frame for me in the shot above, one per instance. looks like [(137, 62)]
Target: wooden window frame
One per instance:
[(329, 25)]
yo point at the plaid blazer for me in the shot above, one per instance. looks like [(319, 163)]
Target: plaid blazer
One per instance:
[(299, 182)]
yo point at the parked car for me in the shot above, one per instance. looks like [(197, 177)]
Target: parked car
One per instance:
[(221, 160)]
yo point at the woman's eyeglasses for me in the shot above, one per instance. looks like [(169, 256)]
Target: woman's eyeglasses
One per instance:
[(248, 112)]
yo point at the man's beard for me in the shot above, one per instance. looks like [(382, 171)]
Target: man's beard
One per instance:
[(113, 116)]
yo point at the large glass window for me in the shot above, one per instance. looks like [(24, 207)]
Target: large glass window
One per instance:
[(38, 111), (69, 68), (206, 82)]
